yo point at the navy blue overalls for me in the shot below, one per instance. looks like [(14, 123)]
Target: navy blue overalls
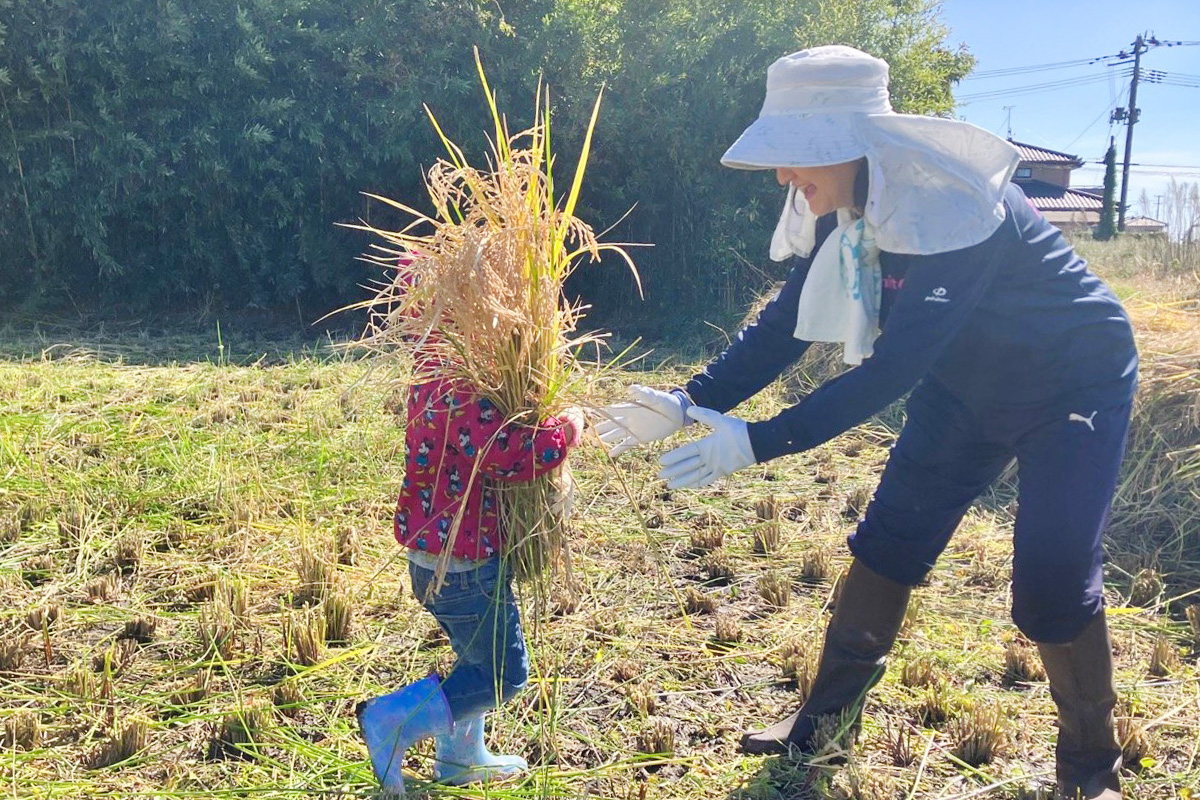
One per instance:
[(1015, 350)]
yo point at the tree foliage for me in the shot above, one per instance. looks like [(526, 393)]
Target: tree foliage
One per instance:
[(1108, 208), (175, 152)]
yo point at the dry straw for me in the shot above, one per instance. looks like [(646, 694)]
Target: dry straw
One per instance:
[(475, 292)]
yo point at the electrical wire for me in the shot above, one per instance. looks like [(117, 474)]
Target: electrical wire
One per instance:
[(1006, 71), (1107, 111), (1035, 88)]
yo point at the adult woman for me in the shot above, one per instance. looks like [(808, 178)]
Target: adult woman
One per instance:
[(940, 278)]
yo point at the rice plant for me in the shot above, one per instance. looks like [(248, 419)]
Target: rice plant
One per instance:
[(816, 565), (191, 692), (128, 553), (348, 546), (39, 570), (919, 672), (856, 502), (14, 646), (141, 629), (767, 537), (979, 735), (717, 567), (43, 617), (641, 698), (798, 664), (935, 705), (304, 636), (698, 602), (239, 732), (338, 609), (22, 731), (705, 537), (288, 698), (657, 737), (898, 743), (10, 527), (1134, 739), (1164, 659), (1022, 663), (316, 574), (726, 630), (114, 659), (1146, 588), (100, 590), (776, 589), (480, 291), (767, 509), (81, 683), (626, 670), (217, 632), (122, 745)]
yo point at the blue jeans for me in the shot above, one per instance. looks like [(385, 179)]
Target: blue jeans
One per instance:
[(479, 614), (1068, 459)]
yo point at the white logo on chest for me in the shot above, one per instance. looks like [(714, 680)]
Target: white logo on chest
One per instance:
[(938, 295)]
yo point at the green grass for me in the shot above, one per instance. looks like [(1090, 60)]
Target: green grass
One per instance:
[(187, 494)]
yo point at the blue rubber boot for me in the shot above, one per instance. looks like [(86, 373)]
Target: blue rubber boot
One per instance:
[(463, 757), (395, 722)]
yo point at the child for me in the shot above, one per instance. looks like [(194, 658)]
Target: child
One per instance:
[(458, 447)]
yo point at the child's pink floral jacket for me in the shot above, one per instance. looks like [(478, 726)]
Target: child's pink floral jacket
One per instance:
[(457, 448)]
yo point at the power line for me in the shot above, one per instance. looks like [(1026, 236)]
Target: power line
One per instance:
[(1006, 71), (1035, 88), (1150, 166), (1108, 109)]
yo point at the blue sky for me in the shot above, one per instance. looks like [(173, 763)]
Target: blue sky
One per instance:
[(1075, 119)]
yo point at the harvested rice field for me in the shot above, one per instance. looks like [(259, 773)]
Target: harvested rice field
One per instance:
[(199, 583)]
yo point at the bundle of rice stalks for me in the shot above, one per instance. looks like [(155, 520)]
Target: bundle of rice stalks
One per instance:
[(475, 292)]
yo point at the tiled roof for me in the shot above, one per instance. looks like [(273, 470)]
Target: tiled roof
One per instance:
[(1048, 197), (1145, 223), (1040, 155)]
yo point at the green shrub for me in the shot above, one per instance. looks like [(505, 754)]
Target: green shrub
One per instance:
[(198, 154)]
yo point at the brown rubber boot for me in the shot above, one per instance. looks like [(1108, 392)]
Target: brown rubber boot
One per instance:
[(865, 623), (1088, 754)]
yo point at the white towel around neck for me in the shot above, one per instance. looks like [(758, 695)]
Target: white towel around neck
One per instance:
[(840, 299)]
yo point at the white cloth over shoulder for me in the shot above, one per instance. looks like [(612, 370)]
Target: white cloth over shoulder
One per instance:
[(841, 295)]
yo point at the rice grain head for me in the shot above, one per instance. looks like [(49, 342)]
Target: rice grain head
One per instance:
[(475, 292)]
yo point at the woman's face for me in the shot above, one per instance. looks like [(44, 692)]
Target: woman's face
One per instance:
[(825, 188)]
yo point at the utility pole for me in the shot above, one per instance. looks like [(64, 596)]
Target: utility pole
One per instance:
[(1008, 120), (1139, 47)]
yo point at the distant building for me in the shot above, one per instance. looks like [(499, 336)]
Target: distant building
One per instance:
[(1145, 226), (1045, 177)]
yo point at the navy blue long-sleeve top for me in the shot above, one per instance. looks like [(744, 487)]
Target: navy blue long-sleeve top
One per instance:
[(1017, 322)]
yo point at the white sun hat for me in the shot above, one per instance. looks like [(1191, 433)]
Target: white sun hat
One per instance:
[(934, 184)]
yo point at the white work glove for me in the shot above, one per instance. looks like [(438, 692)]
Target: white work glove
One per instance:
[(649, 415), (727, 449)]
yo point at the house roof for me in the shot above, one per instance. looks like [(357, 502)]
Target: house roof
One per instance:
[(1048, 197), (1040, 155), (1145, 224)]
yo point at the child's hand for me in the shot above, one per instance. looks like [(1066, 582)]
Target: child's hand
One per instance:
[(564, 499), (577, 420)]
